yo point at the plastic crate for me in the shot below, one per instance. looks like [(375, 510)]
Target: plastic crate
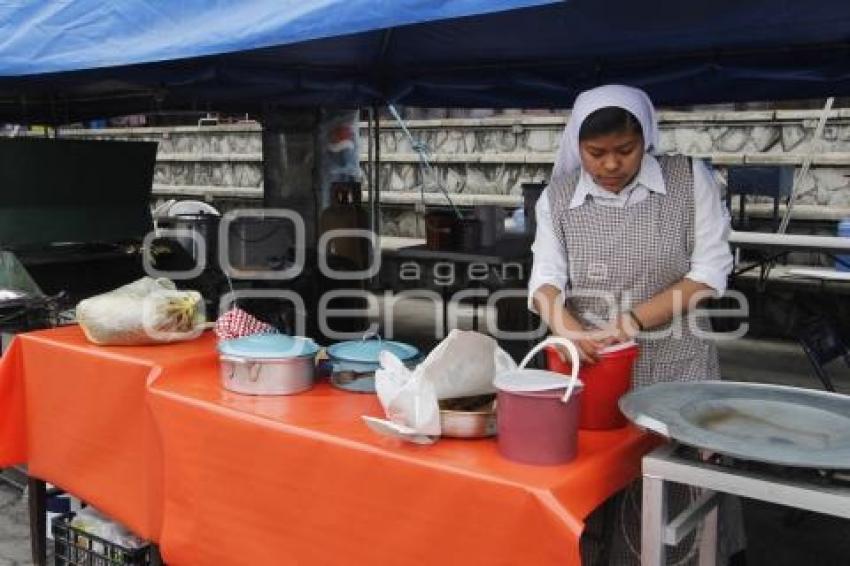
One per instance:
[(75, 547)]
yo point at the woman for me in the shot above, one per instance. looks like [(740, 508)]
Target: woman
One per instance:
[(626, 244)]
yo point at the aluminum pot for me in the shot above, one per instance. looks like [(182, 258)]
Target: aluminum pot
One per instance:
[(270, 364)]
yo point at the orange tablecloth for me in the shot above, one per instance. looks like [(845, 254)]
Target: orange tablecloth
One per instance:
[(220, 478), (77, 414)]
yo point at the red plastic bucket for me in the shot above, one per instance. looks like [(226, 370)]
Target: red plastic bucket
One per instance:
[(537, 427), (604, 383), (538, 412)]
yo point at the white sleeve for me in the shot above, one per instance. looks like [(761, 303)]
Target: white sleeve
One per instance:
[(711, 260), (550, 258)]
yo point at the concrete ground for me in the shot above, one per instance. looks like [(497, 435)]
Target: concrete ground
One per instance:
[(14, 527), (816, 540)]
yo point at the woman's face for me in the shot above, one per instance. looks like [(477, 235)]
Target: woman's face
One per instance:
[(612, 160)]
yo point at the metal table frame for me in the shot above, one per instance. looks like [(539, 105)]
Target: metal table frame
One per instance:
[(779, 245), (664, 465)]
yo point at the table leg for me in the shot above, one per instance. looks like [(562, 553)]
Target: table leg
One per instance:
[(156, 557), (609, 527), (37, 491), (654, 518), (708, 542)]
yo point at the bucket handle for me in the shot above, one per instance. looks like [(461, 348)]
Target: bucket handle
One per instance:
[(574, 357)]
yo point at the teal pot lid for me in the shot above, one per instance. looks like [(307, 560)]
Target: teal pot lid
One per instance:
[(268, 346), (367, 351)]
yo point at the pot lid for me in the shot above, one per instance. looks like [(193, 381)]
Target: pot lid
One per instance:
[(199, 218), (268, 346), (524, 380), (368, 350)]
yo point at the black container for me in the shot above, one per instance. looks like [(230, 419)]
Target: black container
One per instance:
[(204, 226), (441, 227), (259, 243), (467, 236), (73, 546)]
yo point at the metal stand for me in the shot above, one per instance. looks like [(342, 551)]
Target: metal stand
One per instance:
[(38, 494), (38, 520), (664, 465)]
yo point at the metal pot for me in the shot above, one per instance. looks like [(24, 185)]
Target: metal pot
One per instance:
[(204, 226), (353, 363), (270, 364)]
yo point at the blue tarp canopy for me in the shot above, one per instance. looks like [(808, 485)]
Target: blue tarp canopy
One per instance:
[(62, 60)]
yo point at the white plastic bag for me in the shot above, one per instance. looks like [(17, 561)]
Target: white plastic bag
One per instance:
[(462, 365), (147, 311)]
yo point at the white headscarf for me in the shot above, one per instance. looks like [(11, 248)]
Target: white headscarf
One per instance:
[(629, 98)]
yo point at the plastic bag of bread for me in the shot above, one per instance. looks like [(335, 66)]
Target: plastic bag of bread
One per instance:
[(147, 311)]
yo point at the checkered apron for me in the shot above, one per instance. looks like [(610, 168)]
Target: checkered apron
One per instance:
[(629, 254), (618, 258)]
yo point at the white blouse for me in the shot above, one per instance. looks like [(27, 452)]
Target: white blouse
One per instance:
[(711, 260)]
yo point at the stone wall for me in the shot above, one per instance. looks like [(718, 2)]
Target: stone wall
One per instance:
[(484, 160), (496, 155), (478, 160)]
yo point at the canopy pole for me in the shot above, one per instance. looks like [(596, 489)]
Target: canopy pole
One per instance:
[(370, 117), (807, 163), (423, 152), (375, 192), (804, 171)]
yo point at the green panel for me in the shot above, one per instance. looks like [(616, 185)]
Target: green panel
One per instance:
[(74, 191)]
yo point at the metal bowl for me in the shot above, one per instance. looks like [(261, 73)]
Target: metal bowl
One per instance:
[(752, 421), (468, 417)]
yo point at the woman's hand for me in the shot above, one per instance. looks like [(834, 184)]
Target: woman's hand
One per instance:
[(563, 324), (622, 329), (588, 349), (588, 342)]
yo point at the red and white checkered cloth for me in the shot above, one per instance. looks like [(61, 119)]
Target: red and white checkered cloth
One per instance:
[(236, 323)]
